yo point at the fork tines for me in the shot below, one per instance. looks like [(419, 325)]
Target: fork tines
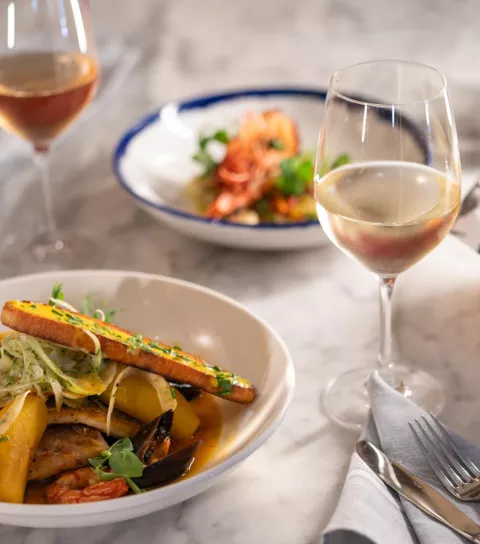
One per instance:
[(449, 464)]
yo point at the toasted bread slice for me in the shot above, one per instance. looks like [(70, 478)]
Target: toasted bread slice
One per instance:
[(68, 329)]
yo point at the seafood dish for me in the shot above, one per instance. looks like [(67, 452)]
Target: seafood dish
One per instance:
[(90, 411), (257, 175)]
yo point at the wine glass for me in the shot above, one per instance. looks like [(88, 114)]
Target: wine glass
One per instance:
[(393, 199), (48, 75)]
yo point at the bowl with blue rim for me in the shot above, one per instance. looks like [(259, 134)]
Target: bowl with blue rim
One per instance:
[(154, 161)]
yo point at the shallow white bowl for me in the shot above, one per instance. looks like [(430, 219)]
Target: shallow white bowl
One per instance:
[(153, 162), (204, 322)]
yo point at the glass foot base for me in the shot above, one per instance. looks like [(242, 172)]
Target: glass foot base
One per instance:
[(346, 403), (65, 251)]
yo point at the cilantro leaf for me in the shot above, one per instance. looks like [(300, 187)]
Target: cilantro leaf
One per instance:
[(57, 292), (203, 157), (296, 175), (221, 136)]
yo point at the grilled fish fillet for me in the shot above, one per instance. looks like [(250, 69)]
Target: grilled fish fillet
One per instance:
[(65, 448), (67, 328), (95, 416)]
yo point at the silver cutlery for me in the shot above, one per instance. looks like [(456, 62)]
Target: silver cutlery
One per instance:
[(418, 492), (458, 474)]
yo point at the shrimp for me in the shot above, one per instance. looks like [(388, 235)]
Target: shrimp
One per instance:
[(84, 485), (253, 160)]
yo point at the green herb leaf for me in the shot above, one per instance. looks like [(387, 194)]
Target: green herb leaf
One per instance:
[(125, 444), (126, 463), (341, 160), (172, 392), (205, 160), (122, 461), (57, 292), (203, 157), (110, 315), (86, 305), (221, 136), (3, 438), (224, 384), (276, 144), (296, 175), (98, 462)]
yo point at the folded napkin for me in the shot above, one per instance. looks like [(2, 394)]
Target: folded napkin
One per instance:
[(368, 512)]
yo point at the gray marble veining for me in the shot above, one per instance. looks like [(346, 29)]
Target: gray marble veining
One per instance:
[(323, 304)]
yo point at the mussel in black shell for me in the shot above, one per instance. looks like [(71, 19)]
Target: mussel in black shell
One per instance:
[(190, 392), (169, 468), (152, 442)]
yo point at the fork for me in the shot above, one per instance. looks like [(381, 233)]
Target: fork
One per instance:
[(459, 474)]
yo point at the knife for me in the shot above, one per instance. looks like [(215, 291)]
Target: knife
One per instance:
[(418, 492)]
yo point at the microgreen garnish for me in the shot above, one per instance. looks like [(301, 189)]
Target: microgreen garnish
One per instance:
[(57, 292), (121, 460), (88, 308), (203, 156)]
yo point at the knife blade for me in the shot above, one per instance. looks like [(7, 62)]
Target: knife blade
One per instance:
[(417, 491)]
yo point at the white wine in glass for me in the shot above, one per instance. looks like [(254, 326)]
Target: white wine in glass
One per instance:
[(48, 75), (393, 203)]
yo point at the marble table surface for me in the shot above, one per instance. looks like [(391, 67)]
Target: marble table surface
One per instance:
[(323, 304)]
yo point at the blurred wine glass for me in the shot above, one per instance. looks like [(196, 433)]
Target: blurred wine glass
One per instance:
[(393, 202), (48, 75)]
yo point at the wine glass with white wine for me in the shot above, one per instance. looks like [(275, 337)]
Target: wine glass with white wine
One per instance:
[(48, 74), (393, 203)]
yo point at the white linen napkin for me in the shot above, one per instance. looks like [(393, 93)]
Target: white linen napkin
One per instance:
[(368, 512)]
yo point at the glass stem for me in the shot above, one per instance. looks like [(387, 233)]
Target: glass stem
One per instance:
[(40, 157), (385, 362)]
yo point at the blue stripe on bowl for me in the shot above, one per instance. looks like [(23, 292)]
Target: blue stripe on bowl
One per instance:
[(206, 101)]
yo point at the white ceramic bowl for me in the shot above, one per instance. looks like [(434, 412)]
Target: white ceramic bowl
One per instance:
[(206, 323), (153, 160)]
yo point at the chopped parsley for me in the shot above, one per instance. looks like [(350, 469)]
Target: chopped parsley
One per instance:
[(224, 384), (56, 312)]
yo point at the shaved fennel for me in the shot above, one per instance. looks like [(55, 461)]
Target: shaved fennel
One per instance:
[(12, 412), (160, 384), (50, 370)]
